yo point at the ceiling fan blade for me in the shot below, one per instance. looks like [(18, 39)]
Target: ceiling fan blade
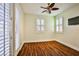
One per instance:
[(44, 11), (48, 3), (51, 5), (55, 8), (43, 7)]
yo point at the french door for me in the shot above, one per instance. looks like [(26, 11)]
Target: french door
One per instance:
[(4, 29)]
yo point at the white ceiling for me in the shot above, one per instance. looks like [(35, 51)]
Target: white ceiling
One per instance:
[(34, 8)]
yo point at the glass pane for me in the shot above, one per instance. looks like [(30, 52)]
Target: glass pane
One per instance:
[(38, 28), (42, 28), (56, 21), (61, 28), (38, 22), (60, 20), (42, 22), (57, 29)]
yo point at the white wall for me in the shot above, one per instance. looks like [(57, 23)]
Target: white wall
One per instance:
[(71, 33), (31, 34), (21, 26)]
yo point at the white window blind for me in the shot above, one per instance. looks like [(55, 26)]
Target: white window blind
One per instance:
[(4, 30), (1, 29), (7, 20)]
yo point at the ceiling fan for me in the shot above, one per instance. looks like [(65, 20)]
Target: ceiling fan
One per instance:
[(49, 8)]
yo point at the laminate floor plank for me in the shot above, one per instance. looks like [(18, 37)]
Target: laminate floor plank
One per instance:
[(50, 48)]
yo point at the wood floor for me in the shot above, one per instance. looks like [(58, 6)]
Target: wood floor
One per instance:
[(51, 48)]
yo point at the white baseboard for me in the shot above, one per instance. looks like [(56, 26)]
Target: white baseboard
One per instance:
[(69, 45), (17, 51), (39, 41)]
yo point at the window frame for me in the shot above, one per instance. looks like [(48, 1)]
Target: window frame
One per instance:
[(59, 25), (40, 26)]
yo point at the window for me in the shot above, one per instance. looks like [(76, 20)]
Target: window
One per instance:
[(59, 24), (40, 24), (4, 30)]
